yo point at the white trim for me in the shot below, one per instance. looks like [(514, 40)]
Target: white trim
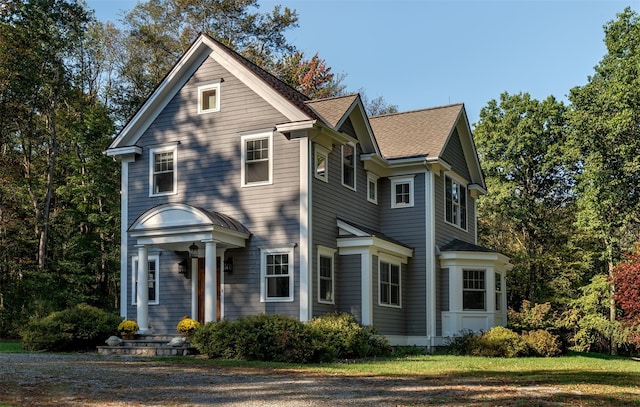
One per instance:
[(430, 238), (400, 181), (263, 273), (243, 159), (327, 252), (305, 232), (391, 261), (324, 153), (152, 152), (372, 179), (134, 275), (206, 87), (366, 287), (124, 216), (120, 152), (355, 166)]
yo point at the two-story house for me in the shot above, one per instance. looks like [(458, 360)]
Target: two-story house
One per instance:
[(241, 196)]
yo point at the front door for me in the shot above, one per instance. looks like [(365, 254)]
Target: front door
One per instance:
[(201, 289)]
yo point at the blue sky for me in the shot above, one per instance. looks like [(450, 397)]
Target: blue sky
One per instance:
[(425, 53)]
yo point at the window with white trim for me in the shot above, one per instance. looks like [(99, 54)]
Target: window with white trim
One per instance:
[(326, 275), (455, 202), (389, 283), (372, 188), (498, 283), (349, 165), (163, 179), (276, 272), (152, 279), (402, 192), (257, 159), (473, 290), (321, 163), (209, 98)]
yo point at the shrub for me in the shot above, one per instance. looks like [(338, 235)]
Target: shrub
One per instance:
[(274, 338), (462, 343), (531, 317), (542, 343), (500, 342), (280, 338), (79, 328), (345, 338)]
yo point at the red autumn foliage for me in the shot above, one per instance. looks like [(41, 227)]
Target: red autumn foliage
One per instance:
[(626, 279)]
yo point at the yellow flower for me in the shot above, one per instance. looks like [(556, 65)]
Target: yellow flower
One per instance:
[(187, 325), (128, 326)]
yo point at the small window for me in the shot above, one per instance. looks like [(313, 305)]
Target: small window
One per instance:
[(402, 192), (209, 98), (372, 188), (257, 162), (474, 292), (455, 203), (321, 163), (389, 283), (349, 165), (326, 277), (152, 279), (162, 171), (276, 269), (498, 292)]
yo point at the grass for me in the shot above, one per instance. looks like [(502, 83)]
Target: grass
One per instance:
[(11, 347), (576, 379)]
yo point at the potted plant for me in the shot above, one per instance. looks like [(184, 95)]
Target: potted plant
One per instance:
[(128, 328), (187, 326)]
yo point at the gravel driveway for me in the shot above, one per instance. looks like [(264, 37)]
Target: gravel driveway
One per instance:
[(92, 380)]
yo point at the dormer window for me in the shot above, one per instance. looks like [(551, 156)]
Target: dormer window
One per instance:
[(163, 179), (209, 98)]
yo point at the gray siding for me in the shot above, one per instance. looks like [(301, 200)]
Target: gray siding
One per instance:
[(348, 286), (407, 225), (208, 170), (453, 154)]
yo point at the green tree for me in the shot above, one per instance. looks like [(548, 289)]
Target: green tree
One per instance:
[(528, 212), (606, 139)]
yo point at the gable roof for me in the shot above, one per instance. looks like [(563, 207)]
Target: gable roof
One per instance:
[(416, 133), (457, 245), (332, 110)]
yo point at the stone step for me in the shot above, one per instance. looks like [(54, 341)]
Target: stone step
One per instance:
[(148, 345)]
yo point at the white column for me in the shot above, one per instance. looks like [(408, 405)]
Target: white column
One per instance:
[(194, 288), (124, 219), (142, 294), (365, 288), (210, 282)]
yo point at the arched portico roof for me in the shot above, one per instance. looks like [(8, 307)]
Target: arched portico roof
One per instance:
[(178, 222)]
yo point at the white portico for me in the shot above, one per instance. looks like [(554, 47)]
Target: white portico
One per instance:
[(179, 227)]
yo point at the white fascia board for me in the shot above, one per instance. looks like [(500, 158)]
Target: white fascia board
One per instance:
[(120, 152), (295, 126), (455, 257), (359, 244), (476, 190), (264, 90), (351, 229)]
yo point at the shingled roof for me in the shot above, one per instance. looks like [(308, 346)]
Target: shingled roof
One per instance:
[(332, 109), (415, 133)]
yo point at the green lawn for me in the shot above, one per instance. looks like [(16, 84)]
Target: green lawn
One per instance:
[(11, 347)]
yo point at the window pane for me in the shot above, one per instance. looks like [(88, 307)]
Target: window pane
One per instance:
[(473, 300), (278, 287), (372, 190), (395, 295), (348, 165), (209, 99), (320, 165)]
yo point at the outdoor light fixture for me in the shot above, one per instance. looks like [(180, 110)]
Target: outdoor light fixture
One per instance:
[(228, 265), (182, 268), (193, 251)]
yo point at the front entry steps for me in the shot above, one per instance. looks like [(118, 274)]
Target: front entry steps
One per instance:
[(149, 345)]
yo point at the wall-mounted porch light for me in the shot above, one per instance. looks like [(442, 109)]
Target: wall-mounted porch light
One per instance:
[(183, 269), (228, 265), (193, 251)]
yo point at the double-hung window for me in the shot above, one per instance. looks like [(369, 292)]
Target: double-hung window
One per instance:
[(152, 279), (372, 187), (455, 203), (257, 159), (389, 282), (474, 291), (402, 192), (349, 165), (163, 179), (321, 163), (276, 270), (326, 275)]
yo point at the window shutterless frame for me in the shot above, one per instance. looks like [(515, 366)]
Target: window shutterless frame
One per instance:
[(163, 170), (257, 159)]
